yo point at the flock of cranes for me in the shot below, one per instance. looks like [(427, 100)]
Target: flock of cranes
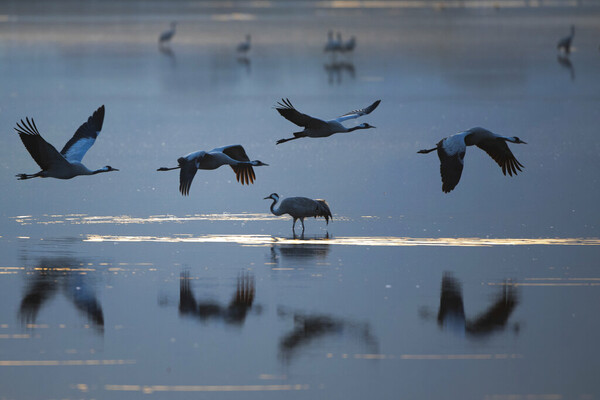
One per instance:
[(67, 164)]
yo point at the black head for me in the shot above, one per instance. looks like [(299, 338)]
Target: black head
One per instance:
[(366, 126), (272, 196), (517, 140), (108, 168)]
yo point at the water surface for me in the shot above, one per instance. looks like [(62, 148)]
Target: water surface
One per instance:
[(116, 286)]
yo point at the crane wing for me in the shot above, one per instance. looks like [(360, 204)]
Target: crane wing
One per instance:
[(287, 111), (451, 167), (234, 151), (44, 154), (499, 151), (244, 173), (358, 113), (186, 174), (84, 137)]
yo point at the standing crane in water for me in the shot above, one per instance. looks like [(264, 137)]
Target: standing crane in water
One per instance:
[(317, 128), (451, 152), (300, 208), (564, 44), (66, 164), (244, 47), (167, 35)]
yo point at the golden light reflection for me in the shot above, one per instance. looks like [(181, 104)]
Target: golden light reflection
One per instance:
[(204, 388), (390, 241), (83, 219)]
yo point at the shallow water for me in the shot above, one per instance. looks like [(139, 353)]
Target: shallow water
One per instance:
[(116, 286)]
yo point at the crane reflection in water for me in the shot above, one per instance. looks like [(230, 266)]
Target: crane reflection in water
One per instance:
[(61, 275), (233, 313), (311, 327), (451, 312), (315, 248)]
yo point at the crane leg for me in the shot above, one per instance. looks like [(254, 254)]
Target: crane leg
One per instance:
[(294, 226), (26, 176), (286, 140)]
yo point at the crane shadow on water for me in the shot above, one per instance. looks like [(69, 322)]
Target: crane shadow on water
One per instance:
[(245, 63), (566, 63), (233, 313), (337, 69), (303, 249), (168, 52), (312, 327), (64, 275), (451, 313)]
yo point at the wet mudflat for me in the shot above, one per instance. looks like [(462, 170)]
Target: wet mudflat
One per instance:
[(116, 286)]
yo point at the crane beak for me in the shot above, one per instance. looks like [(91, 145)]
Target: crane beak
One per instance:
[(267, 198)]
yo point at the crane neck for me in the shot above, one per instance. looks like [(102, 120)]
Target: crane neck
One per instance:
[(273, 210), (100, 170), (354, 128)]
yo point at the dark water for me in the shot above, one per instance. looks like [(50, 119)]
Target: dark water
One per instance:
[(116, 286)]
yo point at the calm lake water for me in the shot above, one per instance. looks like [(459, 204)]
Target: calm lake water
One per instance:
[(116, 286)]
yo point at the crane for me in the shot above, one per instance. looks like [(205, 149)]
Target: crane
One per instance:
[(451, 152), (233, 155), (167, 35), (565, 43), (316, 128), (300, 208), (66, 164)]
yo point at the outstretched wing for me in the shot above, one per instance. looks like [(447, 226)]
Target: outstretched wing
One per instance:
[(499, 151), (243, 173), (84, 137), (186, 174), (234, 151), (289, 112), (358, 113), (44, 154)]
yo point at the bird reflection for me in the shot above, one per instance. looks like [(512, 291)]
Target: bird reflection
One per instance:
[(565, 62), (336, 69), (451, 314), (245, 62), (316, 248), (310, 327), (168, 52), (60, 274), (234, 313)]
